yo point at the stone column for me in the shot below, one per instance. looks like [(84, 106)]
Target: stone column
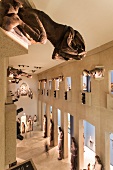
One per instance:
[(64, 125), (8, 48), (2, 111), (42, 114), (48, 118), (107, 151), (10, 135), (81, 145), (55, 121), (76, 135), (97, 139), (39, 112)]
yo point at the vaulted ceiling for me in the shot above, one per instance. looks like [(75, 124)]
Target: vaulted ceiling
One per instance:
[(92, 18)]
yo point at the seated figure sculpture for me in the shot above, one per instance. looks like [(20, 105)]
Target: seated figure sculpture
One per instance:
[(38, 26)]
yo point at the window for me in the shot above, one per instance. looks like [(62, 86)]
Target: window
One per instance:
[(50, 84), (86, 83), (68, 83), (57, 84)]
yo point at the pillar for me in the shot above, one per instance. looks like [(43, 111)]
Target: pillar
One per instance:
[(10, 133), (8, 48), (2, 111), (97, 139), (81, 145), (64, 125), (42, 114), (55, 121), (107, 151), (39, 112), (48, 119)]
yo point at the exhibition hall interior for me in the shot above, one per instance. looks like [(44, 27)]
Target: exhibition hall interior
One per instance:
[(56, 85)]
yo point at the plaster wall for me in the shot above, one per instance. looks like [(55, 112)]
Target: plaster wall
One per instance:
[(89, 134), (29, 105)]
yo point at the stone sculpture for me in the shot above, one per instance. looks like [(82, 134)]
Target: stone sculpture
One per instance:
[(51, 133), (60, 143), (45, 126), (74, 150), (37, 26)]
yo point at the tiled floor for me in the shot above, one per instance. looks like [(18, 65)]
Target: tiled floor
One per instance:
[(33, 147)]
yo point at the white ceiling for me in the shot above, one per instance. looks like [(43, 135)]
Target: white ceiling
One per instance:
[(92, 18)]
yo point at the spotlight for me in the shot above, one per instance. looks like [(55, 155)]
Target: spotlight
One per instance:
[(15, 100)]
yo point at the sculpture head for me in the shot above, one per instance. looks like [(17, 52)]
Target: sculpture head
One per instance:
[(44, 116), (60, 129), (97, 159), (51, 121)]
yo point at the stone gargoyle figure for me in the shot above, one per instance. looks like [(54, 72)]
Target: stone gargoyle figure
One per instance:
[(37, 26), (98, 70)]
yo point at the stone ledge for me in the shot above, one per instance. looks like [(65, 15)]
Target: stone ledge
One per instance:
[(11, 44)]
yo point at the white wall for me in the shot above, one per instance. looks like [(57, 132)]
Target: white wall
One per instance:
[(29, 105), (89, 130)]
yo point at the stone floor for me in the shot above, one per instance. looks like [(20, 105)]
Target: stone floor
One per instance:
[(33, 147)]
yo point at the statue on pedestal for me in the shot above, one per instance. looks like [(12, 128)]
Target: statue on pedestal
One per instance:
[(35, 118), (45, 126), (74, 150), (23, 127), (60, 143), (51, 133)]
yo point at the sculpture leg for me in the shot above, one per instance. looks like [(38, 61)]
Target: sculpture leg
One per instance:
[(30, 17), (12, 20)]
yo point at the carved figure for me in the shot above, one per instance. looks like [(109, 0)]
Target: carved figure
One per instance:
[(45, 126), (74, 150), (98, 164), (51, 132), (60, 143), (23, 127), (38, 26), (35, 118), (96, 71)]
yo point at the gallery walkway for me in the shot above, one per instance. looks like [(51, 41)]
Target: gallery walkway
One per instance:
[(33, 147)]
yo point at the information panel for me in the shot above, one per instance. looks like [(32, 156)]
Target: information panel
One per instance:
[(27, 165)]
